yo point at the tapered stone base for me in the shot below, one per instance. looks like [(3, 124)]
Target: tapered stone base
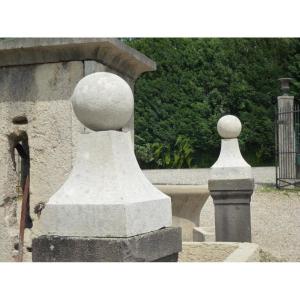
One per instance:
[(160, 245)]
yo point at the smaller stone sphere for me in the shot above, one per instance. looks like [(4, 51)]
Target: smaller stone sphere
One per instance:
[(103, 101), (229, 127)]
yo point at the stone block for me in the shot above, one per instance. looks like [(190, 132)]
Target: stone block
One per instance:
[(204, 234), (232, 209), (160, 245)]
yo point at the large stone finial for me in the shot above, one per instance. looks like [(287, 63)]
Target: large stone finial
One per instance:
[(106, 194), (103, 101), (107, 210), (229, 127)]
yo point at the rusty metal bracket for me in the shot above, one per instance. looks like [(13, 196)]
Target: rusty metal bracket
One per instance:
[(24, 209)]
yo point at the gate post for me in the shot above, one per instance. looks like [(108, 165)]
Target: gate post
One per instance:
[(286, 134)]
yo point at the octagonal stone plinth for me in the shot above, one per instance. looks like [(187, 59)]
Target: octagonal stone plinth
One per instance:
[(106, 194)]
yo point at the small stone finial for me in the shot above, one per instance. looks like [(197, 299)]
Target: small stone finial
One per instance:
[(230, 163), (285, 85), (229, 127), (103, 101)]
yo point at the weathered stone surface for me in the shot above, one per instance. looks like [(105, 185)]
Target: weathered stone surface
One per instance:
[(108, 106), (106, 193), (38, 92), (6, 239), (233, 222), (229, 127), (110, 52), (231, 185), (230, 164), (93, 67), (232, 209), (159, 245)]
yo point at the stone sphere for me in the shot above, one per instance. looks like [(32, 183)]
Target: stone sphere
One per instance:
[(229, 127), (103, 101)]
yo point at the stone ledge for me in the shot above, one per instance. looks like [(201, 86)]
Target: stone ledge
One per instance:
[(186, 190), (159, 245), (246, 252), (262, 175), (111, 52), (219, 252), (231, 185)]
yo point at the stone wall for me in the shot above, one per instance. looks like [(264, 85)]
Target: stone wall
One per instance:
[(41, 93)]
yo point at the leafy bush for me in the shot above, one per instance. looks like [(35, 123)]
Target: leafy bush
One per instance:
[(159, 155)]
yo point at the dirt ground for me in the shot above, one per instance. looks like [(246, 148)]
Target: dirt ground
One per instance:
[(275, 218)]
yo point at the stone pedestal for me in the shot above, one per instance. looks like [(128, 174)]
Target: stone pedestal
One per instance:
[(232, 209), (159, 245), (231, 185), (107, 210), (187, 202)]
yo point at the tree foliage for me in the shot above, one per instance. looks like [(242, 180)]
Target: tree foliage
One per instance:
[(199, 80)]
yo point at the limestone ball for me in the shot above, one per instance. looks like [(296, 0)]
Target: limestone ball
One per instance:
[(229, 127), (103, 101)]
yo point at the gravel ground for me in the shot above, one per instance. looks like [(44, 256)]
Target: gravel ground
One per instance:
[(205, 253), (275, 217)]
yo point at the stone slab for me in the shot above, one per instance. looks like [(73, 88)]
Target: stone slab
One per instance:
[(186, 189), (262, 175), (246, 252), (159, 245), (110, 52), (219, 252), (231, 185)]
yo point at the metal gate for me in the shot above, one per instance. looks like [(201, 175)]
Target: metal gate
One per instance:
[(287, 146)]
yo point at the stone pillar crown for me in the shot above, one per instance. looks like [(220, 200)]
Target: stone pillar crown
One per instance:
[(106, 194), (230, 164)]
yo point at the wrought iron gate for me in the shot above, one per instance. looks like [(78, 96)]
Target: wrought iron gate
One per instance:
[(287, 143)]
